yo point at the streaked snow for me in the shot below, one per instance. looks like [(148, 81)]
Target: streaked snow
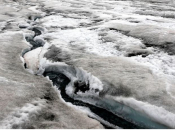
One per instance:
[(85, 39)]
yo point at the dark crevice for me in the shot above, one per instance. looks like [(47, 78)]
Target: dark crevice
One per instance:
[(37, 31), (34, 17), (67, 27), (120, 31), (81, 86), (50, 117), (37, 42), (137, 54), (47, 97), (25, 65), (167, 47), (22, 26)]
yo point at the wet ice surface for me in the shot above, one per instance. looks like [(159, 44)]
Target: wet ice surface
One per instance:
[(91, 36)]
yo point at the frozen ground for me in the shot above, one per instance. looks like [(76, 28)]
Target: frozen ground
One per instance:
[(123, 50)]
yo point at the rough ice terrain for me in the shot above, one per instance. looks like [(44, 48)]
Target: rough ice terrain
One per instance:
[(87, 64)]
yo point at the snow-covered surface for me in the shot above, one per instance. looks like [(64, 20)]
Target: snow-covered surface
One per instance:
[(95, 28), (34, 57), (162, 65), (60, 21), (21, 115), (82, 38)]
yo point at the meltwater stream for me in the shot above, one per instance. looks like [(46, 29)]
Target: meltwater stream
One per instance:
[(124, 117), (113, 112)]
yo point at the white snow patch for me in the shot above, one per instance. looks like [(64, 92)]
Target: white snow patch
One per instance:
[(34, 9), (32, 60), (3, 79), (82, 38), (60, 21), (159, 63)]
